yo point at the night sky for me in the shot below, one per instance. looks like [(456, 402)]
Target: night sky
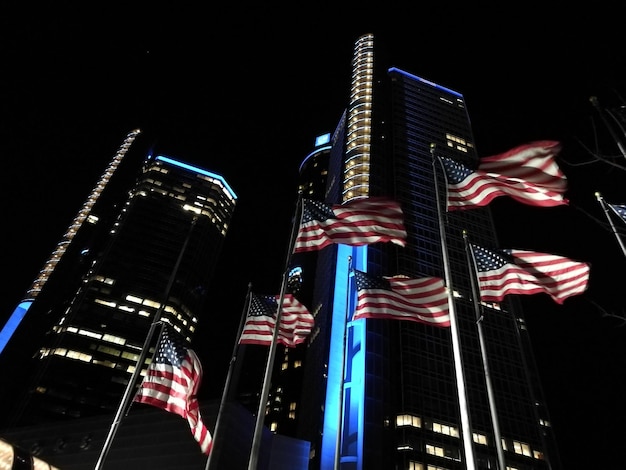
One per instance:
[(243, 92)]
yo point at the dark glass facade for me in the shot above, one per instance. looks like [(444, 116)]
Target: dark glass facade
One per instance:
[(159, 258), (393, 394)]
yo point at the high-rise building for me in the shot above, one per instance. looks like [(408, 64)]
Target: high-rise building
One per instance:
[(157, 260), (283, 407), (390, 394)]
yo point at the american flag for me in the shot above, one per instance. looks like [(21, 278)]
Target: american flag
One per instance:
[(171, 383), (527, 173), (620, 210), (355, 223), (528, 272), (423, 300), (296, 322)]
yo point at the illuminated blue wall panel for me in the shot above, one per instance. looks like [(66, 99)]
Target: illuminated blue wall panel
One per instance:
[(354, 351)]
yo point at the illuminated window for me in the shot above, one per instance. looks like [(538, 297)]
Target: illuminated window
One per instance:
[(274, 426), (408, 420), (415, 465), (151, 303), (434, 450), (130, 356), (78, 355), (106, 302), (448, 453), (445, 429), (479, 438), (538, 455), (114, 339), (521, 448), (89, 334)]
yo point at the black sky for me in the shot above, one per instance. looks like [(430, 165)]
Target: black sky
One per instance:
[(244, 90)]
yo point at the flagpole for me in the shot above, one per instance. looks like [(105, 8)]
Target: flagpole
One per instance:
[(231, 368), (608, 217), (343, 373), (258, 429), (130, 388), (466, 430), (483, 351)]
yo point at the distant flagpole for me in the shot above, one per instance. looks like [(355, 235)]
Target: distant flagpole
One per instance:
[(258, 430), (231, 368), (343, 373), (483, 351), (130, 388), (466, 430), (608, 217)]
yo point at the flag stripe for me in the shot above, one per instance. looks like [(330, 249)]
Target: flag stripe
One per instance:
[(533, 162), (423, 300), (358, 222)]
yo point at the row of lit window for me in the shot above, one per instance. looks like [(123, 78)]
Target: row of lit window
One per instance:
[(517, 447), (147, 302), (359, 130), (458, 143)]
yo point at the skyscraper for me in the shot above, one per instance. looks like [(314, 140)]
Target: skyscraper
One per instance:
[(158, 258), (398, 394)]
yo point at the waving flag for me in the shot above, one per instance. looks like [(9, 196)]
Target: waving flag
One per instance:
[(358, 222), (527, 173), (296, 322), (528, 272), (171, 383), (620, 210), (423, 300)]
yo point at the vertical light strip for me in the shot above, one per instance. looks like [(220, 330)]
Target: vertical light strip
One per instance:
[(82, 215), (359, 130)]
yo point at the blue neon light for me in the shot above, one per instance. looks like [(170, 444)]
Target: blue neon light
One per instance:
[(312, 154), (186, 166), (415, 77), (14, 321), (322, 139)]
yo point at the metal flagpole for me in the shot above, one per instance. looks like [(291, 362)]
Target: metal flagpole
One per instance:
[(343, 372), (483, 351), (466, 430), (608, 217), (258, 429), (130, 388), (231, 367)]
